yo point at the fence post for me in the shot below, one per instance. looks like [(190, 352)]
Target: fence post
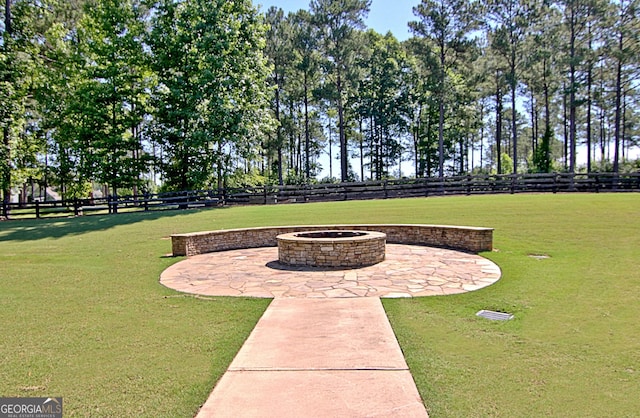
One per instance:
[(146, 201), (112, 202), (468, 184), (572, 182), (75, 206), (37, 209)]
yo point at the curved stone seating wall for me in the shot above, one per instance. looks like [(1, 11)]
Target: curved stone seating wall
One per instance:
[(462, 238)]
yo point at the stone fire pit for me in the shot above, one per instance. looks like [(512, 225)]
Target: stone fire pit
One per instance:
[(332, 248)]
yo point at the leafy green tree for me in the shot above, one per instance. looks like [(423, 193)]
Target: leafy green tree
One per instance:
[(423, 80), (110, 100), (447, 23), (511, 20), (384, 100), (576, 17), (625, 50), (337, 21), (211, 97), (59, 71), (279, 53), (305, 45), (541, 73), (16, 66)]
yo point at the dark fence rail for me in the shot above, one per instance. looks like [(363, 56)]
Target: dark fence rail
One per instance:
[(385, 189)]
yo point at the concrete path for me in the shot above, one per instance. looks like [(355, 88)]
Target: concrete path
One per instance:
[(334, 357), (324, 346)]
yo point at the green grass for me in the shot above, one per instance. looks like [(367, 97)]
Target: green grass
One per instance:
[(83, 315)]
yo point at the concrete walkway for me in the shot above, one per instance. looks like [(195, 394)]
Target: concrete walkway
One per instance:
[(324, 346), (318, 358)]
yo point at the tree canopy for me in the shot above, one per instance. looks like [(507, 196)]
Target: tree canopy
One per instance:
[(134, 95)]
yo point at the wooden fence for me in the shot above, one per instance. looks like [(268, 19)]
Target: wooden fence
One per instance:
[(385, 189)]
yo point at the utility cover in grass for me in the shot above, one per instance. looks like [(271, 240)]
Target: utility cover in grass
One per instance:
[(495, 316)]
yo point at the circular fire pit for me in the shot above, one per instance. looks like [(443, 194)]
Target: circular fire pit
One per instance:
[(331, 248)]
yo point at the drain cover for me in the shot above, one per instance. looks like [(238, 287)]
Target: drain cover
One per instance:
[(495, 316)]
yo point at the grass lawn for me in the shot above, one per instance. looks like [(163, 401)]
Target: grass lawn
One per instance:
[(83, 315)]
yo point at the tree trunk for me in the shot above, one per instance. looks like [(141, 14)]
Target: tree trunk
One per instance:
[(441, 114), (589, 85), (6, 139), (534, 125), (547, 124), (6, 174), (481, 133), (279, 130), (7, 18), (330, 151), (514, 112), (344, 158), (361, 149), (572, 95), (307, 134), (419, 164), (618, 117), (566, 133), (372, 147), (498, 124)]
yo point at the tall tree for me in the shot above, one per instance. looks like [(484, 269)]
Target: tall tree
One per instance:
[(576, 13), (279, 52), (59, 73), (424, 81), (447, 22), (383, 100), (625, 49), (111, 99), (7, 100), (21, 37), (307, 63), (337, 20), (511, 19), (541, 74), (212, 87)]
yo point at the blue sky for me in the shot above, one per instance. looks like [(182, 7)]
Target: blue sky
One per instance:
[(384, 16)]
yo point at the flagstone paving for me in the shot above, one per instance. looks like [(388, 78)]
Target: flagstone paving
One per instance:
[(323, 347), (407, 271)]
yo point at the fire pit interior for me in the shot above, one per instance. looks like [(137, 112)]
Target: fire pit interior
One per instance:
[(332, 248), (330, 234)]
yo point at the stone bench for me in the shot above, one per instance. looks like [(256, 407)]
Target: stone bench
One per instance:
[(463, 238)]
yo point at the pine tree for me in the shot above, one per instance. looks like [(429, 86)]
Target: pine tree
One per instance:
[(337, 20)]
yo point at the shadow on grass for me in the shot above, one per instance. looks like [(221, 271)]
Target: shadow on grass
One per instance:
[(35, 229)]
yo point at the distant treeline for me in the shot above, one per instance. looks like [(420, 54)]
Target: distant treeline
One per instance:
[(165, 95)]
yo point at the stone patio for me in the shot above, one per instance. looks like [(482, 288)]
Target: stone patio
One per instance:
[(407, 271), (323, 347)]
